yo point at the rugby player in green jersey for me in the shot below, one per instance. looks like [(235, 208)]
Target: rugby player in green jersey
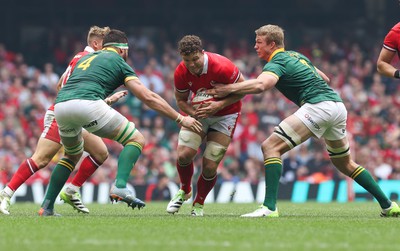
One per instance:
[(81, 104), (321, 114), (49, 142)]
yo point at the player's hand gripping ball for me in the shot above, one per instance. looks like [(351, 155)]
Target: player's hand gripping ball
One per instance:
[(201, 98)]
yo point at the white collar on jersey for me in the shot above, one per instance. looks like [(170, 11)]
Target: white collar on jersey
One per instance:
[(89, 49), (205, 66)]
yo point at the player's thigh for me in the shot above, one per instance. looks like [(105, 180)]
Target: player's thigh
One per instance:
[(46, 149)]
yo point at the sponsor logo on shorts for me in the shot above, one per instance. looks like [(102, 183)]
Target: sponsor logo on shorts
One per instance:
[(67, 130), (93, 123), (312, 122)]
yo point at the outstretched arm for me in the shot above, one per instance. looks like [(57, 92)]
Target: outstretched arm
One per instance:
[(263, 82), (155, 102)]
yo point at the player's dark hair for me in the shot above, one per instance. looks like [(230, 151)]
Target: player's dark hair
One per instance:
[(115, 36), (189, 44)]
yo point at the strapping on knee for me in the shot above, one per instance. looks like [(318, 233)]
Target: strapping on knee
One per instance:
[(74, 150), (214, 151), (126, 132), (338, 152), (189, 139), (287, 134)]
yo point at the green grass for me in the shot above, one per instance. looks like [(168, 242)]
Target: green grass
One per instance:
[(310, 226)]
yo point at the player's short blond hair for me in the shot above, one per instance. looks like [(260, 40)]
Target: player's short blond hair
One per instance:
[(97, 32), (272, 33)]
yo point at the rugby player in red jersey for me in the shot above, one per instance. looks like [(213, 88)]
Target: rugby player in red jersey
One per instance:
[(197, 72)]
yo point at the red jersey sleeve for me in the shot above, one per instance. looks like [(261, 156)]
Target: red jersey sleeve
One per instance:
[(392, 39), (179, 82)]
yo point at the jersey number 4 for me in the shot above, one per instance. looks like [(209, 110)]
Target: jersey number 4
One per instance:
[(86, 64)]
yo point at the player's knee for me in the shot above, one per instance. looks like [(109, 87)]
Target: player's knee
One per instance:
[(268, 147), (209, 173), (101, 156), (137, 139), (184, 157), (209, 170)]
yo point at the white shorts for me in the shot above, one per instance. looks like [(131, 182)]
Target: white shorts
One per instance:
[(93, 115), (225, 124), (326, 119)]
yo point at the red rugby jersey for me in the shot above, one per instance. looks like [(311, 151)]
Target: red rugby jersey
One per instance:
[(216, 69), (72, 65)]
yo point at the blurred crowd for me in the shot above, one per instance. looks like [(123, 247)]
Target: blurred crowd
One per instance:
[(26, 91)]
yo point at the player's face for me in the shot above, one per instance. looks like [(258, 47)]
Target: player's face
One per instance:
[(194, 62), (262, 48)]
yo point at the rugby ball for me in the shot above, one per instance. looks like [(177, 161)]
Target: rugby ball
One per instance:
[(200, 98)]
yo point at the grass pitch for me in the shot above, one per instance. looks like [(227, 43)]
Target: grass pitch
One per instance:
[(309, 226)]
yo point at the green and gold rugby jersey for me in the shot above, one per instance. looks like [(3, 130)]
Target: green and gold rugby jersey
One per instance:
[(96, 76), (298, 80)]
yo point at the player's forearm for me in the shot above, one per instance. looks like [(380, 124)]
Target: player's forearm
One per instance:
[(252, 86), (155, 102), (185, 107), (387, 69)]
